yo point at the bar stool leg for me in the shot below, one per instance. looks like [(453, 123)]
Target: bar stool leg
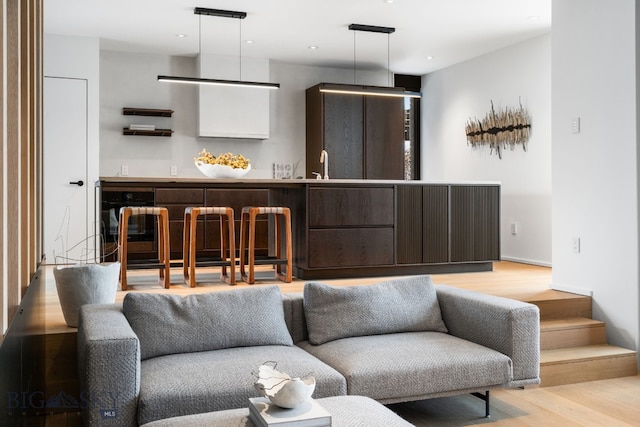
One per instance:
[(286, 217), (123, 231), (163, 249), (243, 244), (185, 246), (228, 276)]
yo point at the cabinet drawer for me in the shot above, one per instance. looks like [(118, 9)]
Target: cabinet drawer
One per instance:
[(337, 207), (350, 247), (179, 196), (237, 198)]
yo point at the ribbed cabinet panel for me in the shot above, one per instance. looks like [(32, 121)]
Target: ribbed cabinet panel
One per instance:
[(475, 223), (435, 227), (409, 224)]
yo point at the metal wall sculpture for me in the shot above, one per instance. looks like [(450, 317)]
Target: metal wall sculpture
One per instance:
[(500, 130)]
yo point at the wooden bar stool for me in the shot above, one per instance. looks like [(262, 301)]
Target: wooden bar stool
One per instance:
[(163, 243), (189, 244), (248, 232)]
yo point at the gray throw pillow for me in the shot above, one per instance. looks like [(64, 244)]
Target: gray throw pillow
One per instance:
[(402, 305), (169, 324)]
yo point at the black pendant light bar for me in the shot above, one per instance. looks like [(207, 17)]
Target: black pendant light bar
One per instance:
[(397, 92), (372, 28), (217, 82), (219, 12)]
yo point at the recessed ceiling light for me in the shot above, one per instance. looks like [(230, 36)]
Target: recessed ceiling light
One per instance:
[(313, 47), (429, 57), (248, 41), (181, 36), (533, 18), (387, 1)]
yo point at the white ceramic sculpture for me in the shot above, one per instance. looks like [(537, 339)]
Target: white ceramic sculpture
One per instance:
[(281, 389)]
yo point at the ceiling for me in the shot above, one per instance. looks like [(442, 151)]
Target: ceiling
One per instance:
[(430, 34)]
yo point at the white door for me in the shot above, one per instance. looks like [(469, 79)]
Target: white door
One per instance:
[(66, 210)]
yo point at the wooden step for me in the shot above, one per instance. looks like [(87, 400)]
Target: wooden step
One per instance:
[(572, 306), (571, 332), (586, 363)]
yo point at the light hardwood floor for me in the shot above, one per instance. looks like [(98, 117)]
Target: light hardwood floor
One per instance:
[(614, 402)]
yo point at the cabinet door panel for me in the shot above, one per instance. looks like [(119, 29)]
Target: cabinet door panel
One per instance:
[(384, 138), (343, 135), (350, 247), (350, 206), (475, 223), (409, 225), (435, 228)]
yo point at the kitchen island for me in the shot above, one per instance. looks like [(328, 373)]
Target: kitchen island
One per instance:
[(340, 228)]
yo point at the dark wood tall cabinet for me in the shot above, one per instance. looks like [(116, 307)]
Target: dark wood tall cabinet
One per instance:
[(363, 135)]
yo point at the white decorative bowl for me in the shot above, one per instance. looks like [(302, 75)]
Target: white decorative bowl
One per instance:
[(221, 171)]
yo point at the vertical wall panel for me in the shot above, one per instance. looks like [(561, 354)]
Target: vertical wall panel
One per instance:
[(3, 139), (21, 163)]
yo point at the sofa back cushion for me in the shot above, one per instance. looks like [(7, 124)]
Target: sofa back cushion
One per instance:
[(402, 305), (169, 324)]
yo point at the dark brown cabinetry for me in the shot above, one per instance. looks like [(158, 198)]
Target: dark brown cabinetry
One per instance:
[(340, 228), (445, 224), (423, 224), (364, 136), (475, 223), (350, 227)]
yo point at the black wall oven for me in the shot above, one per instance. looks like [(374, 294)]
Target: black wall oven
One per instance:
[(142, 228)]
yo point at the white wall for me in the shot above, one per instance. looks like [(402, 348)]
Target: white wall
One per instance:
[(595, 172), (464, 91), (130, 80)]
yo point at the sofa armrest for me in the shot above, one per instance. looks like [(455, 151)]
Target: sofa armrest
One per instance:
[(505, 325), (108, 365)]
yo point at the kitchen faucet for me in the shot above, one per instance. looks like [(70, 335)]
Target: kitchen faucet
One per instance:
[(324, 159)]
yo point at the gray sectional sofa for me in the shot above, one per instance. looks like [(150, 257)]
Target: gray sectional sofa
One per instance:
[(158, 356)]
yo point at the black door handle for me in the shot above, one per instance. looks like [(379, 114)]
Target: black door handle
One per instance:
[(78, 183)]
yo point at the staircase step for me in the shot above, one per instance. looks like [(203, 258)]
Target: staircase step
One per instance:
[(586, 363), (571, 332), (573, 306)]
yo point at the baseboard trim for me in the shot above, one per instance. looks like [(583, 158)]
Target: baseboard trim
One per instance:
[(526, 261), (571, 290)]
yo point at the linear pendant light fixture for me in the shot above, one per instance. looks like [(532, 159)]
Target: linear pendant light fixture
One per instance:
[(219, 82), (369, 90)]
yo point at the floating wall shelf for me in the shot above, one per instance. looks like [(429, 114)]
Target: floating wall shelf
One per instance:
[(149, 112)]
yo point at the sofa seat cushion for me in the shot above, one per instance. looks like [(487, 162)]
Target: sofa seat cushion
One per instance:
[(170, 324), (190, 383), (412, 365), (400, 305)]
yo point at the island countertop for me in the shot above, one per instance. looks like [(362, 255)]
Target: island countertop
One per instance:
[(266, 182)]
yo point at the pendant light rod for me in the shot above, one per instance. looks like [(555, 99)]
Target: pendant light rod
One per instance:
[(218, 82), (397, 92)]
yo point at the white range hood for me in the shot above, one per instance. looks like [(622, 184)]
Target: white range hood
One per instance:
[(230, 111)]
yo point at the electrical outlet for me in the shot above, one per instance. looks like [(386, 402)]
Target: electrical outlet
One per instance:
[(124, 170), (575, 245), (174, 171)]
